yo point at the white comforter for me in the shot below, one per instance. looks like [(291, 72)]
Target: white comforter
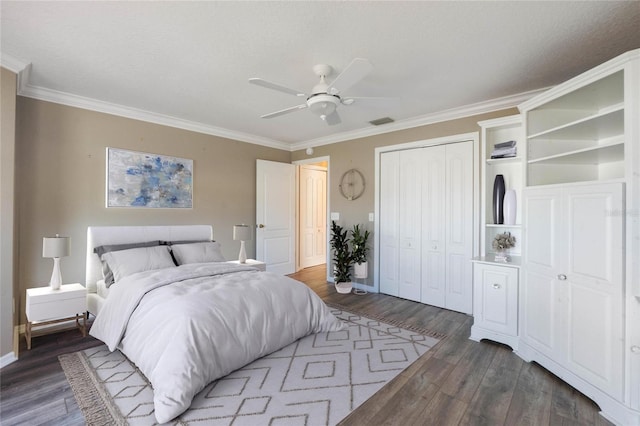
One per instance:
[(187, 326)]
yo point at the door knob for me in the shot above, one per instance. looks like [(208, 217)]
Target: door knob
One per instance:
[(261, 226), (562, 277)]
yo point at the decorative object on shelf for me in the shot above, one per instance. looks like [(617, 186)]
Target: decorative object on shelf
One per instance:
[(55, 247), (242, 233), (504, 150), (352, 184), (342, 258), (501, 243), (360, 252), (137, 179), (498, 199), (509, 207)]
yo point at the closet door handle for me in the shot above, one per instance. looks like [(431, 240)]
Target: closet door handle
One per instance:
[(562, 277)]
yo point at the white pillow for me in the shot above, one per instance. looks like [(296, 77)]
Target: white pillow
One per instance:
[(127, 262), (197, 253)]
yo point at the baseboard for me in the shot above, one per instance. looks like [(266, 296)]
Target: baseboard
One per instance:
[(7, 359)]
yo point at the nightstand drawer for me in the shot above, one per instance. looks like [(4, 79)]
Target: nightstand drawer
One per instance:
[(46, 304)]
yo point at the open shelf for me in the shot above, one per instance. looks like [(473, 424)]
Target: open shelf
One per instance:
[(496, 161), (608, 153), (605, 123)]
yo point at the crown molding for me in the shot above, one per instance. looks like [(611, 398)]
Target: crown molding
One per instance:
[(82, 102), (25, 89), (12, 63), (497, 104)]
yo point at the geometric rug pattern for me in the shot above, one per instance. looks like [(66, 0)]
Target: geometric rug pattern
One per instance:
[(317, 380)]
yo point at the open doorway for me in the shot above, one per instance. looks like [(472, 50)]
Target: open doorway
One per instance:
[(312, 210)]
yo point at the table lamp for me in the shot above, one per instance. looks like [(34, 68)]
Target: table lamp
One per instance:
[(55, 247), (242, 233)]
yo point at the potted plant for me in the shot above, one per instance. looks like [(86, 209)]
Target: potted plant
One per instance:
[(341, 258), (359, 252), (501, 243)]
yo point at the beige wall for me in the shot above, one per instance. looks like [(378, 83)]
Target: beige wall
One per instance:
[(7, 181), (359, 154), (60, 158)]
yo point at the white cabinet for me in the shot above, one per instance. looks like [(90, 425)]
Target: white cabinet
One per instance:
[(580, 289), (573, 286), (426, 224), (495, 302)]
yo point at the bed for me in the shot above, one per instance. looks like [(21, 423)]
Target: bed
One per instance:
[(187, 325)]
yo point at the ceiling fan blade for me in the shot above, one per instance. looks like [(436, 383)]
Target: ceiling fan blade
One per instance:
[(276, 86), (355, 71), (348, 100), (284, 111), (333, 119)]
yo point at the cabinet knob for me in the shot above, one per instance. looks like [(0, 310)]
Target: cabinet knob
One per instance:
[(261, 226), (496, 286), (562, 277), (635, 349), (435, 247)]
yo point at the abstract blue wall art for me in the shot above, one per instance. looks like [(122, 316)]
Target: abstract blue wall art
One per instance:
[(138, 179)]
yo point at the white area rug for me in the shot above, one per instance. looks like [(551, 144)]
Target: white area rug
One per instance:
[(317, 380)]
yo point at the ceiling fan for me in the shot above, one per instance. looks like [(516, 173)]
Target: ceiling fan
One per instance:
[(325, 97)]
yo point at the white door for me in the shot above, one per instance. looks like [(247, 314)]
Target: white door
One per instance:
[(594, 285), (433, 226), (312, 219), (543, 252), (275, 215), (410, 205), (459, 226), (389, 186)]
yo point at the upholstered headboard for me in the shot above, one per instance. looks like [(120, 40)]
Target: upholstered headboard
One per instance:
[(101, 235)]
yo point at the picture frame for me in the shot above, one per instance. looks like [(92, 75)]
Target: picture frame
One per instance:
[(144, 180)]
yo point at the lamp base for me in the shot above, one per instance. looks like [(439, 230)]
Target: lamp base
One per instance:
[(56, 275), (242, 257)]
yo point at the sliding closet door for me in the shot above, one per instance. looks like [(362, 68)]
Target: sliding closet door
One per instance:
[(410, 205), (459, 226), (389, 217), (433, 228)]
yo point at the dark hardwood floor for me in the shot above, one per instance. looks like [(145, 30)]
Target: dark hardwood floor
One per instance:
[(459, 382)]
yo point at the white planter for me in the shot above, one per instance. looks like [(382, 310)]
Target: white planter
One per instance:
[(361, 270), (344, 288)]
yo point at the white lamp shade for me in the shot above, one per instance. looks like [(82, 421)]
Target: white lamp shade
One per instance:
[(241, 232), (55, 246)]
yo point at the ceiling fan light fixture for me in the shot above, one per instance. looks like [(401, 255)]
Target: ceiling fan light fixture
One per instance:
[(323, 104)]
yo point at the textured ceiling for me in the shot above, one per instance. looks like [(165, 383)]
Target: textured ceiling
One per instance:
[(188, 63)]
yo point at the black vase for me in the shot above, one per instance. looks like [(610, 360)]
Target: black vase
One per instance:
[(498, 199)]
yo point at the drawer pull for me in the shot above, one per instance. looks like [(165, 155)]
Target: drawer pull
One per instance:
[(496, 286)]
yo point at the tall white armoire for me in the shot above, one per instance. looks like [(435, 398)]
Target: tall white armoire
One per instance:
[(426, 222)]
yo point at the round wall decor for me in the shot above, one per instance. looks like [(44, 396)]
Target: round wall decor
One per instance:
[(352, 184)]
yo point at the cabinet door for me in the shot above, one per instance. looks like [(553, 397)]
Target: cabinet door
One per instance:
[(542, 319), (459, 226), (594, 271), (433, 229), (410, 205), (496, 298), (389, 222)]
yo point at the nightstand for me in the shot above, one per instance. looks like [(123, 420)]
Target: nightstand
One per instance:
[(261, 266), (46, 306)]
